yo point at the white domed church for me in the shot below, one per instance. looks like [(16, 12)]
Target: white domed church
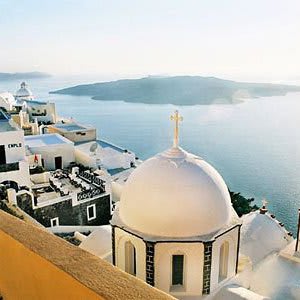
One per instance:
[(24, 93), (175, 227)]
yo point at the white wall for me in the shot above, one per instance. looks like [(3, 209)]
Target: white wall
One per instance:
[(14, 145), (7, 100), (232, 238), (109, 158), (193, 267), (85, 159), (121, 237), (20, 176), (116, 191), (40, 178), (13, 142), (48, 107)]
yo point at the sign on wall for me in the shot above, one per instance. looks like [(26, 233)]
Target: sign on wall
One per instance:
[(19, 145)]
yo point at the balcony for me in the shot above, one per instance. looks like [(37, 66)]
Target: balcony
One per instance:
[(9, 167)]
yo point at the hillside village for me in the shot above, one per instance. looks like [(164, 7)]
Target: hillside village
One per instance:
[(168, 221)]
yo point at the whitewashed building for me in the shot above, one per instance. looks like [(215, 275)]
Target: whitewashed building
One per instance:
[(100, 153), (74, 131), (40, 111), (14, 169), (7, 101), (43, 112), (56, 151)]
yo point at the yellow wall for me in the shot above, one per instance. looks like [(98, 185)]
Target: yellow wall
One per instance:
[(26, 275), (35, 264)]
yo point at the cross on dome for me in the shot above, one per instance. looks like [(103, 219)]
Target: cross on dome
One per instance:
[(264, 202), (176, 118), (264, 209)]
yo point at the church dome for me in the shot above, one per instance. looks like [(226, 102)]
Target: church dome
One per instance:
[(24, 91), (175, 194)]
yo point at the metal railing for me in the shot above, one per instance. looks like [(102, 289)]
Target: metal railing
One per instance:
[(88, 194)]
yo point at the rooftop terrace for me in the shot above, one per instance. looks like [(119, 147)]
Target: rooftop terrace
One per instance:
[(45, 140), (70, 126)]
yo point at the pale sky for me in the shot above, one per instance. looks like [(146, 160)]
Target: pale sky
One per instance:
[(229, 38)]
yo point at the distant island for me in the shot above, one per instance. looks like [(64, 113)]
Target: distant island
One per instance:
[(22, 76), (179, 90)]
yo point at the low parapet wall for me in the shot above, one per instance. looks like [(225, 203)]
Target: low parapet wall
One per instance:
[(37, 265)]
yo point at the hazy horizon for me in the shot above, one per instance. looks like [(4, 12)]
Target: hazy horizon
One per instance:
[(253, 40)]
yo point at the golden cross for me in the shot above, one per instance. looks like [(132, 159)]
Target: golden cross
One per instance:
[(176, 118)]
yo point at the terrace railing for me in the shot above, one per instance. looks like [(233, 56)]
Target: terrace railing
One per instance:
[(91, 178), (88, 194), (87, 176)]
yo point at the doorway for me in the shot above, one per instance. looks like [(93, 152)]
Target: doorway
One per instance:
[(58, 162), (2, 155)]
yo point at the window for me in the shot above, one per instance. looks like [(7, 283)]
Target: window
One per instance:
[(2, 155), (54, 222), (130, 258), (223, 262), (177, 269), (91, 212)]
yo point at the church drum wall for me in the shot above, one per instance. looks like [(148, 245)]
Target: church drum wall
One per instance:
[(121, 237), (193, 267), (232, 238)]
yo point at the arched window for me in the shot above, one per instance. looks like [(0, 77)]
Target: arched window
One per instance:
[(223, 261), (130, 258)]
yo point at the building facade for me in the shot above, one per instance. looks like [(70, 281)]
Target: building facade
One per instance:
[(14, 169), (68, 210)]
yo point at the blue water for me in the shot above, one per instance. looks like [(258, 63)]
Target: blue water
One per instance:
[(254, 145)]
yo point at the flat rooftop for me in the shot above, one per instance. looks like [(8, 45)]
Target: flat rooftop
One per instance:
[(43, 140), (106, 144), (5, 124), (71, 127)]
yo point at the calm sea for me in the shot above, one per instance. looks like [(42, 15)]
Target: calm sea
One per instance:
[(254, 145)]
